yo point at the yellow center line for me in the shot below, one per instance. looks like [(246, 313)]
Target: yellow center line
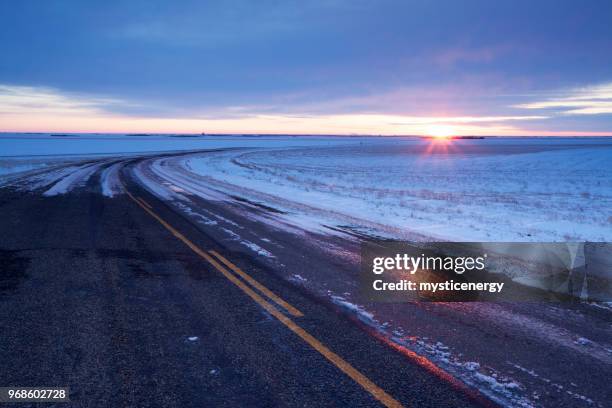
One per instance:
[(261, 288), (377, 392), (144, 202)]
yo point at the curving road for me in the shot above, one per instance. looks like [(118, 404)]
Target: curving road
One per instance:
[(136, 282)]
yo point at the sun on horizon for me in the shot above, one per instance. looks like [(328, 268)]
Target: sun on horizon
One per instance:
[(441, 131)]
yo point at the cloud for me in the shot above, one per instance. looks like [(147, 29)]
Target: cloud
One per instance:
[(592, 100), (415, 120), (43, 109), (33, 101)]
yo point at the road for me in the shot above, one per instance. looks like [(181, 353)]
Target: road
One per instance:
[(130, 301), (100, 296)]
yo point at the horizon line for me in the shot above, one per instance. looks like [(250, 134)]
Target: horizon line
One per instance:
[(3, 132)]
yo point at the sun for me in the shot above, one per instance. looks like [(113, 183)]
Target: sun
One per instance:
[(440, 131)]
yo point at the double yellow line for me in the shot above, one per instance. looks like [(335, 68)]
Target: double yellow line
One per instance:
[(213, 258)]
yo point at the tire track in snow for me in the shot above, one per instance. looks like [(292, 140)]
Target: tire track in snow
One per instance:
[(73, 180)]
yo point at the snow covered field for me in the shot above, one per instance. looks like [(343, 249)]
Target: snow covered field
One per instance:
[(470, 190), (522, 189), (20, 154)]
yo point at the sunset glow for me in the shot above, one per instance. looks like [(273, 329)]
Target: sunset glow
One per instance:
[(222, 73), (441, 131)]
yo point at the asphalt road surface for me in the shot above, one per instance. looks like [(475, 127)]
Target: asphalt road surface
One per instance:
[(130, 302), (121, 301)]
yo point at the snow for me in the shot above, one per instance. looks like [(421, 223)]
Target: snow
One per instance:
[(47, 178), (556, 386), (42, 144), (501, 388), (522, 189), (155, 186), (13, 166), (199, 217), (257, 249), (583, 341), (250, 245), (364, 315), (525, 189), (558, 190), (74, 179), (233, 236), (109, 181), (22, 153)]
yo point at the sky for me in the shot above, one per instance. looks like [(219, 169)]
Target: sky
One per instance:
[(322, 67)]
